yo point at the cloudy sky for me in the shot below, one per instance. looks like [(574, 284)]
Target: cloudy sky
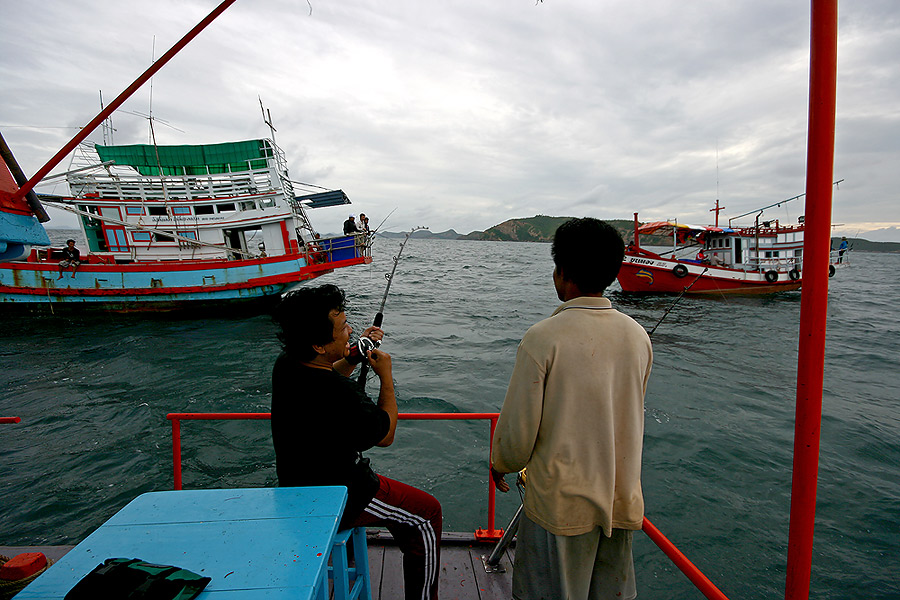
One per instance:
[(464, 114)]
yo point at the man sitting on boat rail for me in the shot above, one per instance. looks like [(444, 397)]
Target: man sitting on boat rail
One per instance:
[(322, 421), (71, 258), (574, 416)]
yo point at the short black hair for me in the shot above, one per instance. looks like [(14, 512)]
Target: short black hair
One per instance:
[(304, 318), (588, 252)]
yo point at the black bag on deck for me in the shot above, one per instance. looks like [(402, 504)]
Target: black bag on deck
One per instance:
[(133, 579)]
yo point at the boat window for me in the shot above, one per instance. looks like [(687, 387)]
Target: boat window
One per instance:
[(203, 209), (157, 210), (181, 210), (134, 210), (191, 235), (228, 207), (163, 236), (141, 236), (267, 202), (248, 205), (728, 242)]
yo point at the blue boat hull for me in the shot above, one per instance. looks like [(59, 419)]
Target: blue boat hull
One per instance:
[(160, 286)]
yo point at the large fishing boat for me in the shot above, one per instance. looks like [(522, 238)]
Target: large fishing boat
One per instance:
[(764, 257), (171, 227)]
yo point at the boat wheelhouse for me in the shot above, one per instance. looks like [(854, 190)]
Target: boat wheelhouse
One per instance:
[(178, 226)]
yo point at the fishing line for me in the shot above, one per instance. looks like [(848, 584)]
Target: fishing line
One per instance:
[(680, 296), (379, 316)]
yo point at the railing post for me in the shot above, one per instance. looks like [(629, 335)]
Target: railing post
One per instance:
[(176, 451), (490, 533)]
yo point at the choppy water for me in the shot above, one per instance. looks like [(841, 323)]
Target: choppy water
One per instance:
[(93, 393)]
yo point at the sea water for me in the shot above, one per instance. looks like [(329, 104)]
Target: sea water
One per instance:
[(93, 392)]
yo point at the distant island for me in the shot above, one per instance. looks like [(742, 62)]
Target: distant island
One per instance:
[(540, 228)]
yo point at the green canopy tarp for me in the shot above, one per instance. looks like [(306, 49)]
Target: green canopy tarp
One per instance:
[(190, 160)]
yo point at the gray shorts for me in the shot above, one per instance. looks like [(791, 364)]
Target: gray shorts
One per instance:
[(577, 567)]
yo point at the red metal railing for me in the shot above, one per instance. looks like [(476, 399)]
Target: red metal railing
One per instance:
[(9, 419), (706, 587)]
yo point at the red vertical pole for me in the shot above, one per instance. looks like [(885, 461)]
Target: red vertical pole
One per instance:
[(814, 297), (492, 492), (176, 452)]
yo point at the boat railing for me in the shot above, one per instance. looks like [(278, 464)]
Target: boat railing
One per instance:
[(491, 533), (194, 187), (783, 263), (339, 248)]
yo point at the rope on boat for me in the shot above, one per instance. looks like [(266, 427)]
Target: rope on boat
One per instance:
[(8, 589)]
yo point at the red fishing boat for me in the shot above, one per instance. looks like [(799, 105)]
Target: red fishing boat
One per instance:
[(763, 257)]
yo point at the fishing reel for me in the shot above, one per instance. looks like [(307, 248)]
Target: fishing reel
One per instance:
[(360, 349)]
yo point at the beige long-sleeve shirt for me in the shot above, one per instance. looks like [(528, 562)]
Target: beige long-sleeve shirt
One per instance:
[(574, 416)]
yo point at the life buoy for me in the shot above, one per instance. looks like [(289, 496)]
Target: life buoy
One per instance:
[(831, 270), (679, 271), (771, 276), (794, 274)]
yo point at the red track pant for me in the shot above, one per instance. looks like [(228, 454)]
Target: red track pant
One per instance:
[(414, 519)]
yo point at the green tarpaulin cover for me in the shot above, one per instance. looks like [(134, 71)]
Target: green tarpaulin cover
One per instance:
[(190, 160)]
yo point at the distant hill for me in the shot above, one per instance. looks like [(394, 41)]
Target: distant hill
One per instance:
[(867, 246), (540, 228), (422, 233)]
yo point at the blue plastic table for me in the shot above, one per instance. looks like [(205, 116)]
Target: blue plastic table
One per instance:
[(254, 543)]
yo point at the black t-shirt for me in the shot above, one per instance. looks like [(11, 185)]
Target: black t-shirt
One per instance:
[(321, 424)]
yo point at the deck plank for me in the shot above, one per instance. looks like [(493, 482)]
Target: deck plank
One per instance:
[(391, 585), (376, 565), (492, 585), (457, 576)]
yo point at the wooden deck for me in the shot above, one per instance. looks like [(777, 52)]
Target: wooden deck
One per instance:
[(462, 577)]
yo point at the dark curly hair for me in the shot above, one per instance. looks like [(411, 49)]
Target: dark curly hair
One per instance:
[(304, 318), (588, 252)]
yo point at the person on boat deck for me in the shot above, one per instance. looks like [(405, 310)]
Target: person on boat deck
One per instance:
[(842, 248), (364, 221), (71, 258), (350, 226), (573, 416), (322, 422)]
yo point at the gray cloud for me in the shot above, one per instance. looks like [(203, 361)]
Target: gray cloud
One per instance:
[(465, 114)]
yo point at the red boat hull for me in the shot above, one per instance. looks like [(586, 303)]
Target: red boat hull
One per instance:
[(646, 275)]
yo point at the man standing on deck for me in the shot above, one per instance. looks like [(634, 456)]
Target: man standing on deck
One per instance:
[(350, 226), (574, 416), (322, 421)]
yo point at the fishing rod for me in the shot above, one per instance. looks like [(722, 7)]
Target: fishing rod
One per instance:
[(386, 218), (367, 345)]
